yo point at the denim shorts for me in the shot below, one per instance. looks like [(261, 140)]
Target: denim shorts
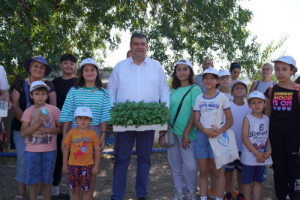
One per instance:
[(254, 173), (40, 167), (79, 177), (203, 149), (234, 165)]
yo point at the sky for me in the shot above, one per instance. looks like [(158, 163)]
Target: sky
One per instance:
[(272, 19)]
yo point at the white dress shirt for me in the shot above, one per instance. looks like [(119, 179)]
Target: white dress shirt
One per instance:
[(146, 81), (3, 80)]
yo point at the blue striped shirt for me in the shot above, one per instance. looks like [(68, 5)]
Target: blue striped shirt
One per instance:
[(98, 101)]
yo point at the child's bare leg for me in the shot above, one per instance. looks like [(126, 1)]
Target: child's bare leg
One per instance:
[(47, 190), (213, 180), (220, 179), (76, 194), (93, 184), (256, 190), (33, 191), (203, 177), (247, 191), (239, 180), (232, 182), (40, 189), (85, 195), (228, 179)]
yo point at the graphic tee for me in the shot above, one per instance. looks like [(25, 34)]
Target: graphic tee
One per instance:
[(185, 111), (44, 142), (285, 114), (82, 145), (208, 107), (258, 136)]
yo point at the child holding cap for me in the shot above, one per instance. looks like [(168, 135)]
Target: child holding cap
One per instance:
[(40, 151), (81, 165), (256, 149), (284, 111), (206, 109)]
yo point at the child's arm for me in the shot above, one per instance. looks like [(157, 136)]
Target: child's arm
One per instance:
[(248, 144), (268, 107), (101, 144), (187, 130), (268, 153), (27, 130), (228, 123), (65, 159), (52, 131), (97, 159), (199, 126)]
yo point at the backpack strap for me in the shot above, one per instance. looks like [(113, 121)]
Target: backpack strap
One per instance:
[(257, 83)]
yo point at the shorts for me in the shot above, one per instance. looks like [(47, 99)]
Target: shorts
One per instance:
[(254, 173), (203, 149), (39, 167), (234, 165), (79, 177)]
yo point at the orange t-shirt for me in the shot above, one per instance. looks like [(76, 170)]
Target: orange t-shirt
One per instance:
[(82, 145)]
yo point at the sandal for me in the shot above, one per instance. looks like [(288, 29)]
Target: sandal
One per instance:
[(19, 197), (40, 197)]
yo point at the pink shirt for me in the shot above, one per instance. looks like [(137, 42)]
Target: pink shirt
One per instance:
[(46, 142)]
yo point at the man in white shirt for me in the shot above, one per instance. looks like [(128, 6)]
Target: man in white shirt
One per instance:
[(198, 79), (137, 78)]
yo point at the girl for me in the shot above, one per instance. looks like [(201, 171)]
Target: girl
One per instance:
[(181, 155), (206, 109), (235, 70), (88, 92), (284, 112)]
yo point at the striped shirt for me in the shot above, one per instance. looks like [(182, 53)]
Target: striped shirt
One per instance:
[(98, 101)]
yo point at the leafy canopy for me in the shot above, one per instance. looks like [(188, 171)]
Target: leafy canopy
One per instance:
[(141, 113)]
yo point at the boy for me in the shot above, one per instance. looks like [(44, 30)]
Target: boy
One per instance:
[(81, 165), (225, 79), (40, 151), (62, 86), (239, 110), (256, 146)]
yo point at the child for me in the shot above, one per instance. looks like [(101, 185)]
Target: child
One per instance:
[(62, 86), (40, 152), (256, 146), (239, 110), (206, 109), (284, 112), (80, 167), (225, 79)]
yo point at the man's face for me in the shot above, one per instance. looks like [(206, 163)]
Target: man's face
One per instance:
[(207, 63), (138, 47)]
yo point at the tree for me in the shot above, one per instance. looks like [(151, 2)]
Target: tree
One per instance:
[(53, 27)]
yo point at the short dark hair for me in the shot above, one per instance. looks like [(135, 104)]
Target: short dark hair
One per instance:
[(39, 89), (176, 82), (215, 76), (240, 84), (138, 35), (234, 65), (69, 57)]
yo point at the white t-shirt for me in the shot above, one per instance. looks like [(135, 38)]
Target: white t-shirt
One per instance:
[(258, 136), (238, 114), (3, 80), (228, 95), (208, 107)]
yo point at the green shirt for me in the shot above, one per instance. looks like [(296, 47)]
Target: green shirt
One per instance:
[(186, 109)]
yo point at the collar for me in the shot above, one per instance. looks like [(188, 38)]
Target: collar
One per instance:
[(132, 62)]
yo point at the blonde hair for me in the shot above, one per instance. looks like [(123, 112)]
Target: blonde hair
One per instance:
[(270, 65)]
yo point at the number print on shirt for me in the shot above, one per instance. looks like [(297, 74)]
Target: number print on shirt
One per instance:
[(259, 137), (282, 101)]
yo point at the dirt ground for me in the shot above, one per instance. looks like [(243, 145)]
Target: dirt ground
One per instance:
[(160, 184)]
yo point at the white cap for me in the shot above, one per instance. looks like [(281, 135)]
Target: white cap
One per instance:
[(256, 94), (211, 70), (286, 59), (184, 61), (83, 112), (233, 83), (88, 61), (38, 84), (224, 72)]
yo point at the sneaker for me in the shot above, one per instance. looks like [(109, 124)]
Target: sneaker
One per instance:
[(191, 196), (228, 197), (287, 197), (235, 194), (55, 190), (212, 193), (240, 197), (179, 195)]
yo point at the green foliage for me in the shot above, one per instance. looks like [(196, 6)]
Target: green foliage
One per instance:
[(141, 113)]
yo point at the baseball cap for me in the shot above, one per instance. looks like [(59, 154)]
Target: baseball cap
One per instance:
[(88, 61), (83, 112), (184, 61), (256, 94), (40, 59), (233, 83), (211, 70), (224, 72), (286, 59), (38, 84)]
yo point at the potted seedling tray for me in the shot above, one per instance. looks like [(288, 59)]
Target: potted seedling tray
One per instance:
[(141, 116)]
